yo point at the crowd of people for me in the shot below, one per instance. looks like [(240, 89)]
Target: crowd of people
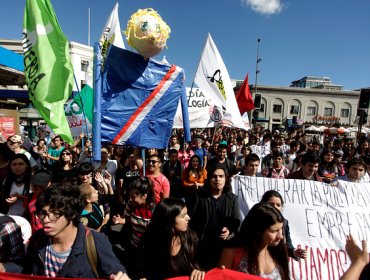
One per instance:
[(171, 213)]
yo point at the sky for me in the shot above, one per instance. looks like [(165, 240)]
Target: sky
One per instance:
[(298, 38)]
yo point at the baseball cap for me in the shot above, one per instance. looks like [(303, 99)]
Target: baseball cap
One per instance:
[(15, 138)]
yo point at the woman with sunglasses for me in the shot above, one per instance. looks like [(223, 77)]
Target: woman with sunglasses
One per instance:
[(64, 170), (16, 186)]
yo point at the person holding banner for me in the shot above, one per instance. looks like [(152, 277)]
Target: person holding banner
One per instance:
[(276, 200), (310, 164), (260, 248)]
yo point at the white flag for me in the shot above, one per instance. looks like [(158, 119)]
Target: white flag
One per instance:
[(112, 34), (213, 77)]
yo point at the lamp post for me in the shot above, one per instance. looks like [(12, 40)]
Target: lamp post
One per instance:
[(257, 97)]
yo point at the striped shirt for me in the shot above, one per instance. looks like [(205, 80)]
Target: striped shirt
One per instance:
[(54, 261), (139, 218)]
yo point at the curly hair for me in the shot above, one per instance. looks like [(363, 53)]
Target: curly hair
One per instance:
[(66, 199)]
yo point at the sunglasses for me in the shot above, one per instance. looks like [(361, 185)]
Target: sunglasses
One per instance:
[(67, 153), (152, 161)]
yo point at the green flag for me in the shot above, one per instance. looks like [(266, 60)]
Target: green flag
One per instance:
[(85, 100), (47, 65)]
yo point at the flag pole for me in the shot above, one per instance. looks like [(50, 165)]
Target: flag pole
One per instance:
[(97, 103), (88, 28)]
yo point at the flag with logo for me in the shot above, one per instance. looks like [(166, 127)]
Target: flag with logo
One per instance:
[(139, 99), (47, 65), (213, 77), (79, 112), (112, 34), (244, 97)]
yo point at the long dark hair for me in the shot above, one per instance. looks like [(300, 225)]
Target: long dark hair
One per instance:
[(190, 167), (11, 178), (157, 240), (261, 217)]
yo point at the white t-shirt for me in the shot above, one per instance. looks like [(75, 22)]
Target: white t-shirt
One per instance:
[(17, 207)]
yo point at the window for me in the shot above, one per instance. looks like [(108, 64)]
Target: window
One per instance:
[(328, 111), (84, 65), (311, 111), (344, 113), (294, 109), (262, 108), (276, 108)]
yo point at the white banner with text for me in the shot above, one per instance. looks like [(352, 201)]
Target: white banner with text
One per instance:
[(319, 215)]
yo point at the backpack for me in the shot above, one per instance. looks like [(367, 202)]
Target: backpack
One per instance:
[(91, 252)]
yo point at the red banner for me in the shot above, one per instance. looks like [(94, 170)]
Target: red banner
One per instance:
[(223, 274)]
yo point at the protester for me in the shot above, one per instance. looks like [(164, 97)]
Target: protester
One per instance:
[(252, 163), (93, 215), (201, 152), (12, 246), (130, 172), (240, 163), (39, 182), (168, 247), (16, 186), (161, 185), (15, 144), (277, 170), (55, 151), (260, 249), (215, 216), (64, 169), (193, 177), (172, 170), (359, 268), (275, 199), (222, 160), (185, 155), (328, 168), (136, 218), (106, 165), (310, 164), (5, 155), (355, 171), (59, 249)]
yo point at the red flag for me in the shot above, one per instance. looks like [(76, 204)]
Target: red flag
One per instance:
[(244, 98)]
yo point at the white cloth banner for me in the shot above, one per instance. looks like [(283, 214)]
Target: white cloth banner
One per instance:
[(319, 215), (213, 77), (201, 111)]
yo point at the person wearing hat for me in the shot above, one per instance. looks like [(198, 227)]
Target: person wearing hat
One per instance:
[(39, 182), (15, 142)]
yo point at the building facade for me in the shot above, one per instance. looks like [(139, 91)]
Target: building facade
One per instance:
[(307, 106)]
